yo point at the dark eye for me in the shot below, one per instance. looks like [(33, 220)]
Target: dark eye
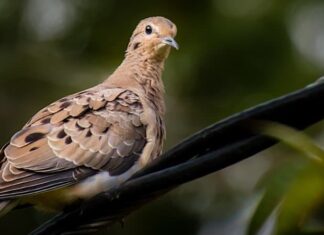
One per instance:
[(148, 29)]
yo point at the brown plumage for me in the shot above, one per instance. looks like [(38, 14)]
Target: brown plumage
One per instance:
[(84, 143)]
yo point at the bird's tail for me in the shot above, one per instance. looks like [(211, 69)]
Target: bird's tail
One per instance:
[(6, 206)]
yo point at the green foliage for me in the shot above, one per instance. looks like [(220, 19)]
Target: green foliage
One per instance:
[(294, 192), (277, 185)]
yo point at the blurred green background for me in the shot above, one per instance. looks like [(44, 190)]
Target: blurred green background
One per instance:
[(233, 54)]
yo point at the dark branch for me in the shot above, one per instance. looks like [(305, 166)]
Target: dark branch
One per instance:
[(209, 150)]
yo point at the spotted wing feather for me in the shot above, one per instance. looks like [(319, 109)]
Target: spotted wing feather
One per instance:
[(77, 136)]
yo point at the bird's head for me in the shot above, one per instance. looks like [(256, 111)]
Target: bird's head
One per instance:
[(153, 38)]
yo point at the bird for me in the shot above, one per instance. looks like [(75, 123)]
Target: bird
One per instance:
[(88, 142)]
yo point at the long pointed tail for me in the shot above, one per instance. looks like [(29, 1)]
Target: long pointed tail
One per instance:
[(6, 206)]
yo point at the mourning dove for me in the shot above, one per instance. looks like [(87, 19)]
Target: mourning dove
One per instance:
[(93, 140)]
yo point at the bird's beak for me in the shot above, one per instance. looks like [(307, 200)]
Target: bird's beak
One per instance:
[(171, 42)]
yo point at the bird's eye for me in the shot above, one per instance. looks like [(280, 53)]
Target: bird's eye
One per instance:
[(148, 29)]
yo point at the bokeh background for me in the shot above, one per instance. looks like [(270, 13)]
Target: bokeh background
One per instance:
[(233, 54)]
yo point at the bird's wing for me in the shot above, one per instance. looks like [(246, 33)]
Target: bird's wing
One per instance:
[(77, 136)]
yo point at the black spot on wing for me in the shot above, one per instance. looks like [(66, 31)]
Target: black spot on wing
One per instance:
[(61, 134), (46, 120), (33, 149), (68, 140), (65, 104), (89, 134), (34, 137)]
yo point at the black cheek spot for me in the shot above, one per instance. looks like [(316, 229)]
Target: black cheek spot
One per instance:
[(61, 134), (34, 137), (136, 45), (68, 140)]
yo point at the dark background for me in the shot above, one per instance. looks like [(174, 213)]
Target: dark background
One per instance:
[(233, 54)]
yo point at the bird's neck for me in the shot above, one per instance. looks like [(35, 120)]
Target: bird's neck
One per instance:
[(147, 74)]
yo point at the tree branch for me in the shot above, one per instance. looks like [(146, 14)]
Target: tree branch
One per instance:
[(214, 148)]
